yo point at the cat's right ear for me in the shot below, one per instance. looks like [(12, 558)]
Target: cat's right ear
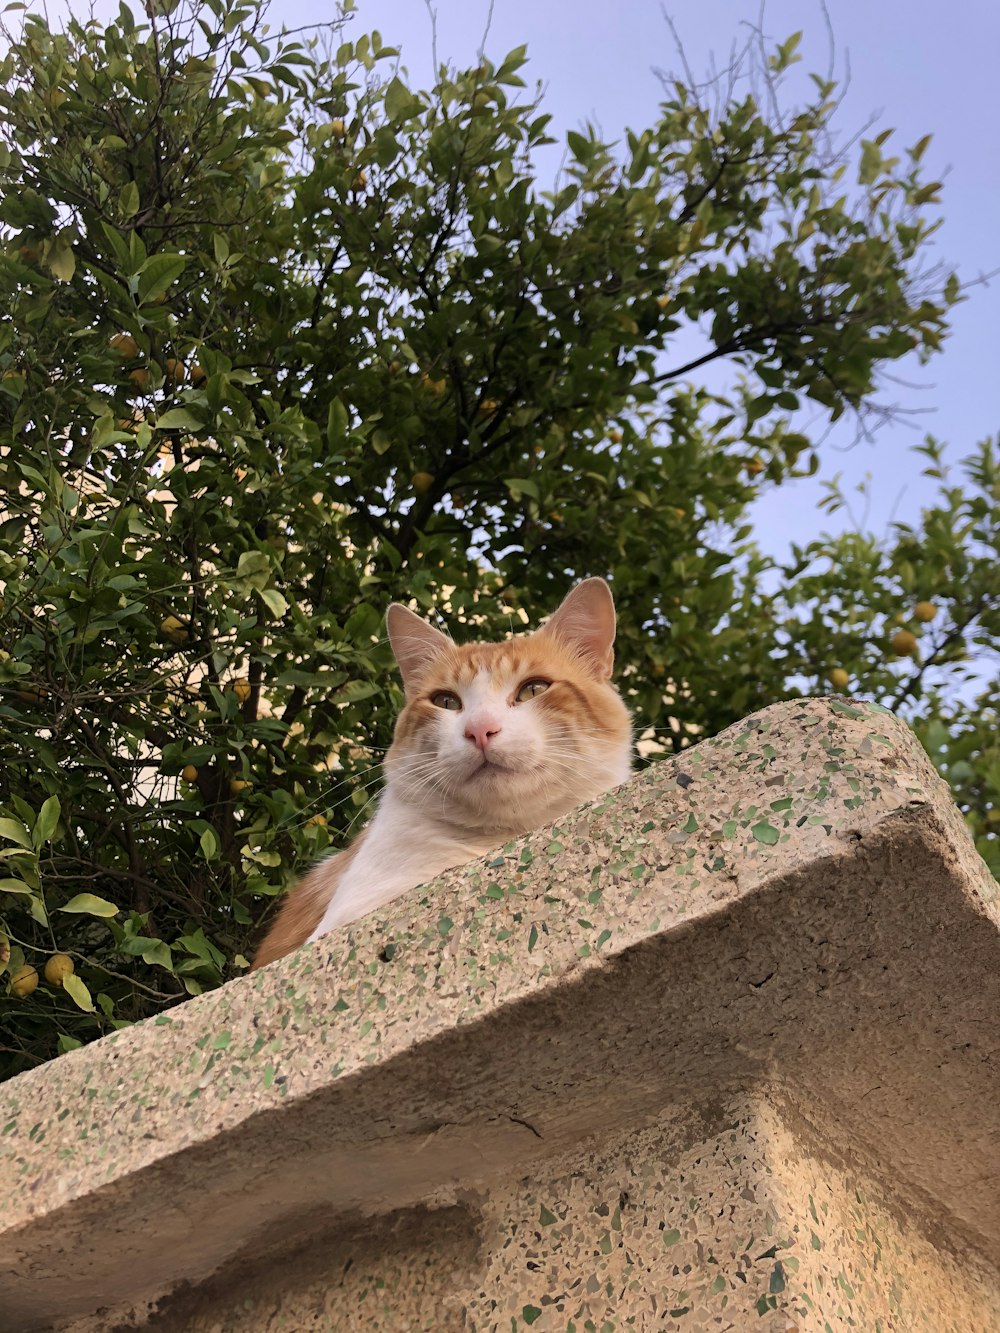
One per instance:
[(586, 621), (414, 642)]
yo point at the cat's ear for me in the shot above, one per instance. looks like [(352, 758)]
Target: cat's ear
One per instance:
[(414, 642), (586, 621)]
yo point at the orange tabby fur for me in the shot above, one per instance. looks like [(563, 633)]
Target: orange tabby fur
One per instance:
[(465, 776), (303, 908)]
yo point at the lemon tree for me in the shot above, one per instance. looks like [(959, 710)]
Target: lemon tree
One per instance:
[(284, 337)]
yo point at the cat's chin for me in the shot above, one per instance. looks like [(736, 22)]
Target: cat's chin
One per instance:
[(501, 772), (514, 797)]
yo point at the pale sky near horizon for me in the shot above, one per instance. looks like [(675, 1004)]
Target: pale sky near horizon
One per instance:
[(917, 67)]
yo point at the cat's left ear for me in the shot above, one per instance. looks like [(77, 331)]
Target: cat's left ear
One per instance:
[(586, 621), (414, 642)]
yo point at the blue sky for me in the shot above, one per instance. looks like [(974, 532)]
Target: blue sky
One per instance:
[(920, 68)]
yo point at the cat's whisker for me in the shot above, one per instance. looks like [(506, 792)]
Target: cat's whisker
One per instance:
[(327, 807)]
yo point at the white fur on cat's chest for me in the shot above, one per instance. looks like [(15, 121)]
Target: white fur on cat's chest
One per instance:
[(399, 852)]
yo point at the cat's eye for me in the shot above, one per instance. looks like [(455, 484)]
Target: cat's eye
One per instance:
[(530, 689), (445, 699)]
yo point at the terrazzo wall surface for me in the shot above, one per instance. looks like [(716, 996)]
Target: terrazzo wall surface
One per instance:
[(716, 1053), (746, 1229)]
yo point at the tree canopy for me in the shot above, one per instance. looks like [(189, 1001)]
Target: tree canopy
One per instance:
[(284, 339)]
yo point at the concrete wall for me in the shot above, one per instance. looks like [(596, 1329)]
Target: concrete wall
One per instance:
[(716, 1053)]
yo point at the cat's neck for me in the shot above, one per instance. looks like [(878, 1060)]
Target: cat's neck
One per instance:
[(402, 847), (406, 845), (400, 824)]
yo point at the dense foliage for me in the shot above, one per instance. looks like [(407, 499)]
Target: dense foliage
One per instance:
[(283, 339)]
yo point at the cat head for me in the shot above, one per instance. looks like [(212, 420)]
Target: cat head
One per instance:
[(508, 736)]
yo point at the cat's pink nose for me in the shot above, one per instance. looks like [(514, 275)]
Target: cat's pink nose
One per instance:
[(481, 733)]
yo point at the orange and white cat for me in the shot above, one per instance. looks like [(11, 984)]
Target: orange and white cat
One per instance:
[(494, 739)]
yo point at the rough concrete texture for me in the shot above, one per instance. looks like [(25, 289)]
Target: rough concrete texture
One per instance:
[(715, 1053)]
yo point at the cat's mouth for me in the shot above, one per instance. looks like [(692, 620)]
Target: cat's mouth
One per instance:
[(490, 766)]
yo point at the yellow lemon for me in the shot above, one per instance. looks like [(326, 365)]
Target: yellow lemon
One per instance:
[(58, 968), (24, 981), (904, 644), (125, 345), (174, 629)]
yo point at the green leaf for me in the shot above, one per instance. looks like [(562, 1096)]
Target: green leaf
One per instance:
[(274, 601), (521, 486), (91, 905), (251, 564), (178, 418), (253, 572), (397, 99), (759, 407), (128, 200), (16, 886), (14, 831), (579, 146), (46, 823), (209, 845), (355, 690), (871, 162), (157, 274), (158, 954), (336, 424), (78, 993), (920, 147), (62, 261)]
